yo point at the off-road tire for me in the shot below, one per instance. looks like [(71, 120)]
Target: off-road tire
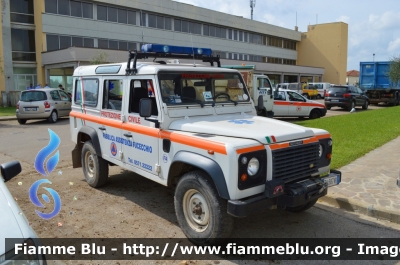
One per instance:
[(201, 213), (302, 208), (365, 106), (95, 168), (328, 107), (53, 118), (21, 121), (315, 114)]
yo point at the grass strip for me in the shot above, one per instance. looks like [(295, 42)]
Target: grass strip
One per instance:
[(356, 134), (7, 111)]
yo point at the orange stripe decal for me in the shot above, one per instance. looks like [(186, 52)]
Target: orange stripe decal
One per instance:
[(278, 146), (250, 149), (323, 136), (194, 141), (153, 132)]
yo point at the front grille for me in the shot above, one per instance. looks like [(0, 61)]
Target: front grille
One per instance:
[(295, 162)]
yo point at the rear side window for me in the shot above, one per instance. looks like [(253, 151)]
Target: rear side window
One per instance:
[(340, 89), (54, 95), (86, 91), (33, 96)]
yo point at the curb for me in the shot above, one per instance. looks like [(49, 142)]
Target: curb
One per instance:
[(363, 208), (8, 118)]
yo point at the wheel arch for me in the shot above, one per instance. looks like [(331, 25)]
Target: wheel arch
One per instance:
[(187, 161), (85, 133)]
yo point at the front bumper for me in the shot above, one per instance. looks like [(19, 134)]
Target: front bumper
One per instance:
[(245, 207)]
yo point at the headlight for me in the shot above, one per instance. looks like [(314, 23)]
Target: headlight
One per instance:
[(321, 150), (253, 166)]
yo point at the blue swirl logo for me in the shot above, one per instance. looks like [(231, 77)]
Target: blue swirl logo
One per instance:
[(35, 200), (51, 164), (45, 152)]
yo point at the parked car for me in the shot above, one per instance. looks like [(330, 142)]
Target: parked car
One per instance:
[(303, 89), (283, 85), (321, 87), (47, 103), (288, 103), (13, 223), (346, 97)]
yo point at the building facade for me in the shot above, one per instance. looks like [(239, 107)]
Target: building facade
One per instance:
[(43, 41), (353, 77)]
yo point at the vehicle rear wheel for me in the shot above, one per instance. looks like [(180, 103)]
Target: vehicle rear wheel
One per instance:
[(302, 208), (365, 106), (94, 166), (21, 121), (315, 114), (319, 96), (305, 95), (352, 105), (53, 117), (201, 213)]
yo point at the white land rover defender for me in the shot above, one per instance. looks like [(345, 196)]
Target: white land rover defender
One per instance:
[(195, 129)]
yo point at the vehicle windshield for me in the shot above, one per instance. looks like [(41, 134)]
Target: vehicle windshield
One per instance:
[(202, 88), (33, 96), (264, 83)]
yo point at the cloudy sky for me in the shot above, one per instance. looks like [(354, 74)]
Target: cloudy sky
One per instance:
[(374, 26)]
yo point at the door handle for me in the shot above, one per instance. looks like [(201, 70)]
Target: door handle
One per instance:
[(128, 135), (102, 128)]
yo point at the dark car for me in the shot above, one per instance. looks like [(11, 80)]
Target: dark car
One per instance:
[(347, 97)]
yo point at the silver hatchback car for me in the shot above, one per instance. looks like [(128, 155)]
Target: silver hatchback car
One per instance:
[(44, 103)]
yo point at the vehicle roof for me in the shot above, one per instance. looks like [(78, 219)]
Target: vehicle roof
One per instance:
[(149, 68), (288, 90), (42, 89)]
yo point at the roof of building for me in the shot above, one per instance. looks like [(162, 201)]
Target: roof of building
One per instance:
[(353, 73)]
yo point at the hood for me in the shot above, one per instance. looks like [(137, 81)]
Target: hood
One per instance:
[(9, 226), (243, 126)]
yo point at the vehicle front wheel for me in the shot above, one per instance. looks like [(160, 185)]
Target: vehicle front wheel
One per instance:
[(319, 96), (328, 107), (302, 208), (315, 114), (201, 213), (21, 121), (365, 106), (53, 117), (94, 166)]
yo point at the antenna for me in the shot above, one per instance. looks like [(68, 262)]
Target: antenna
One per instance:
[(191, 39), (252, 5)]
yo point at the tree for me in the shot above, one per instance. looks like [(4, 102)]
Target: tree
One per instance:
[(101, 58), (394, 70)]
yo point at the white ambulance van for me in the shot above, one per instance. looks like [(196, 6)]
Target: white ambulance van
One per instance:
[(169, 123)]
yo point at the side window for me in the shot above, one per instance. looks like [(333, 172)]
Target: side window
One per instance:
[(64, 96), (112, 94), (279, 95), (141, 89), (295, 97), (86, 91), (359, 90), (54, 95)]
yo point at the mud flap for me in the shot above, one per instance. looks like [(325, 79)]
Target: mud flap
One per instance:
[(76, 157)]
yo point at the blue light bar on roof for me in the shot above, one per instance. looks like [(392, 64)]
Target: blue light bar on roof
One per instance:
[(175, 49)]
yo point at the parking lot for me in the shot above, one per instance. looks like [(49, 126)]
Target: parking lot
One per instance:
[(132, 206)]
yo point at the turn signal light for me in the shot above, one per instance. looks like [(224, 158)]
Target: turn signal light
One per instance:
[(243, 177), (329, 155), (46, 105)]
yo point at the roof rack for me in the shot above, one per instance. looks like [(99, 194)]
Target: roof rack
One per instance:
[(145, 55)]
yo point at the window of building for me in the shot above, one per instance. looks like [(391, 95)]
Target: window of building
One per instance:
[(206, 30), (168, 23), (21, 11), (132, 46), (102, 13), (143, 21), (112, 14), (245, 37), (177, 25), (255, 38), (185, 26), (152, 20), (240, 36), (288, 44), (69, 8), (275, 42), (131, 17), (77, 42), (160, 22), (103, 44), (123, 45), (53, 43), (122, 16), (113, 44), (23, 45), (89, 43), (65, 42)]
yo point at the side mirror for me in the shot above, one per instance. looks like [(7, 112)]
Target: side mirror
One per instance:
[(145, 107), (10, 170)]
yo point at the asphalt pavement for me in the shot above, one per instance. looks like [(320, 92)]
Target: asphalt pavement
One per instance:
[(368, 184)]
